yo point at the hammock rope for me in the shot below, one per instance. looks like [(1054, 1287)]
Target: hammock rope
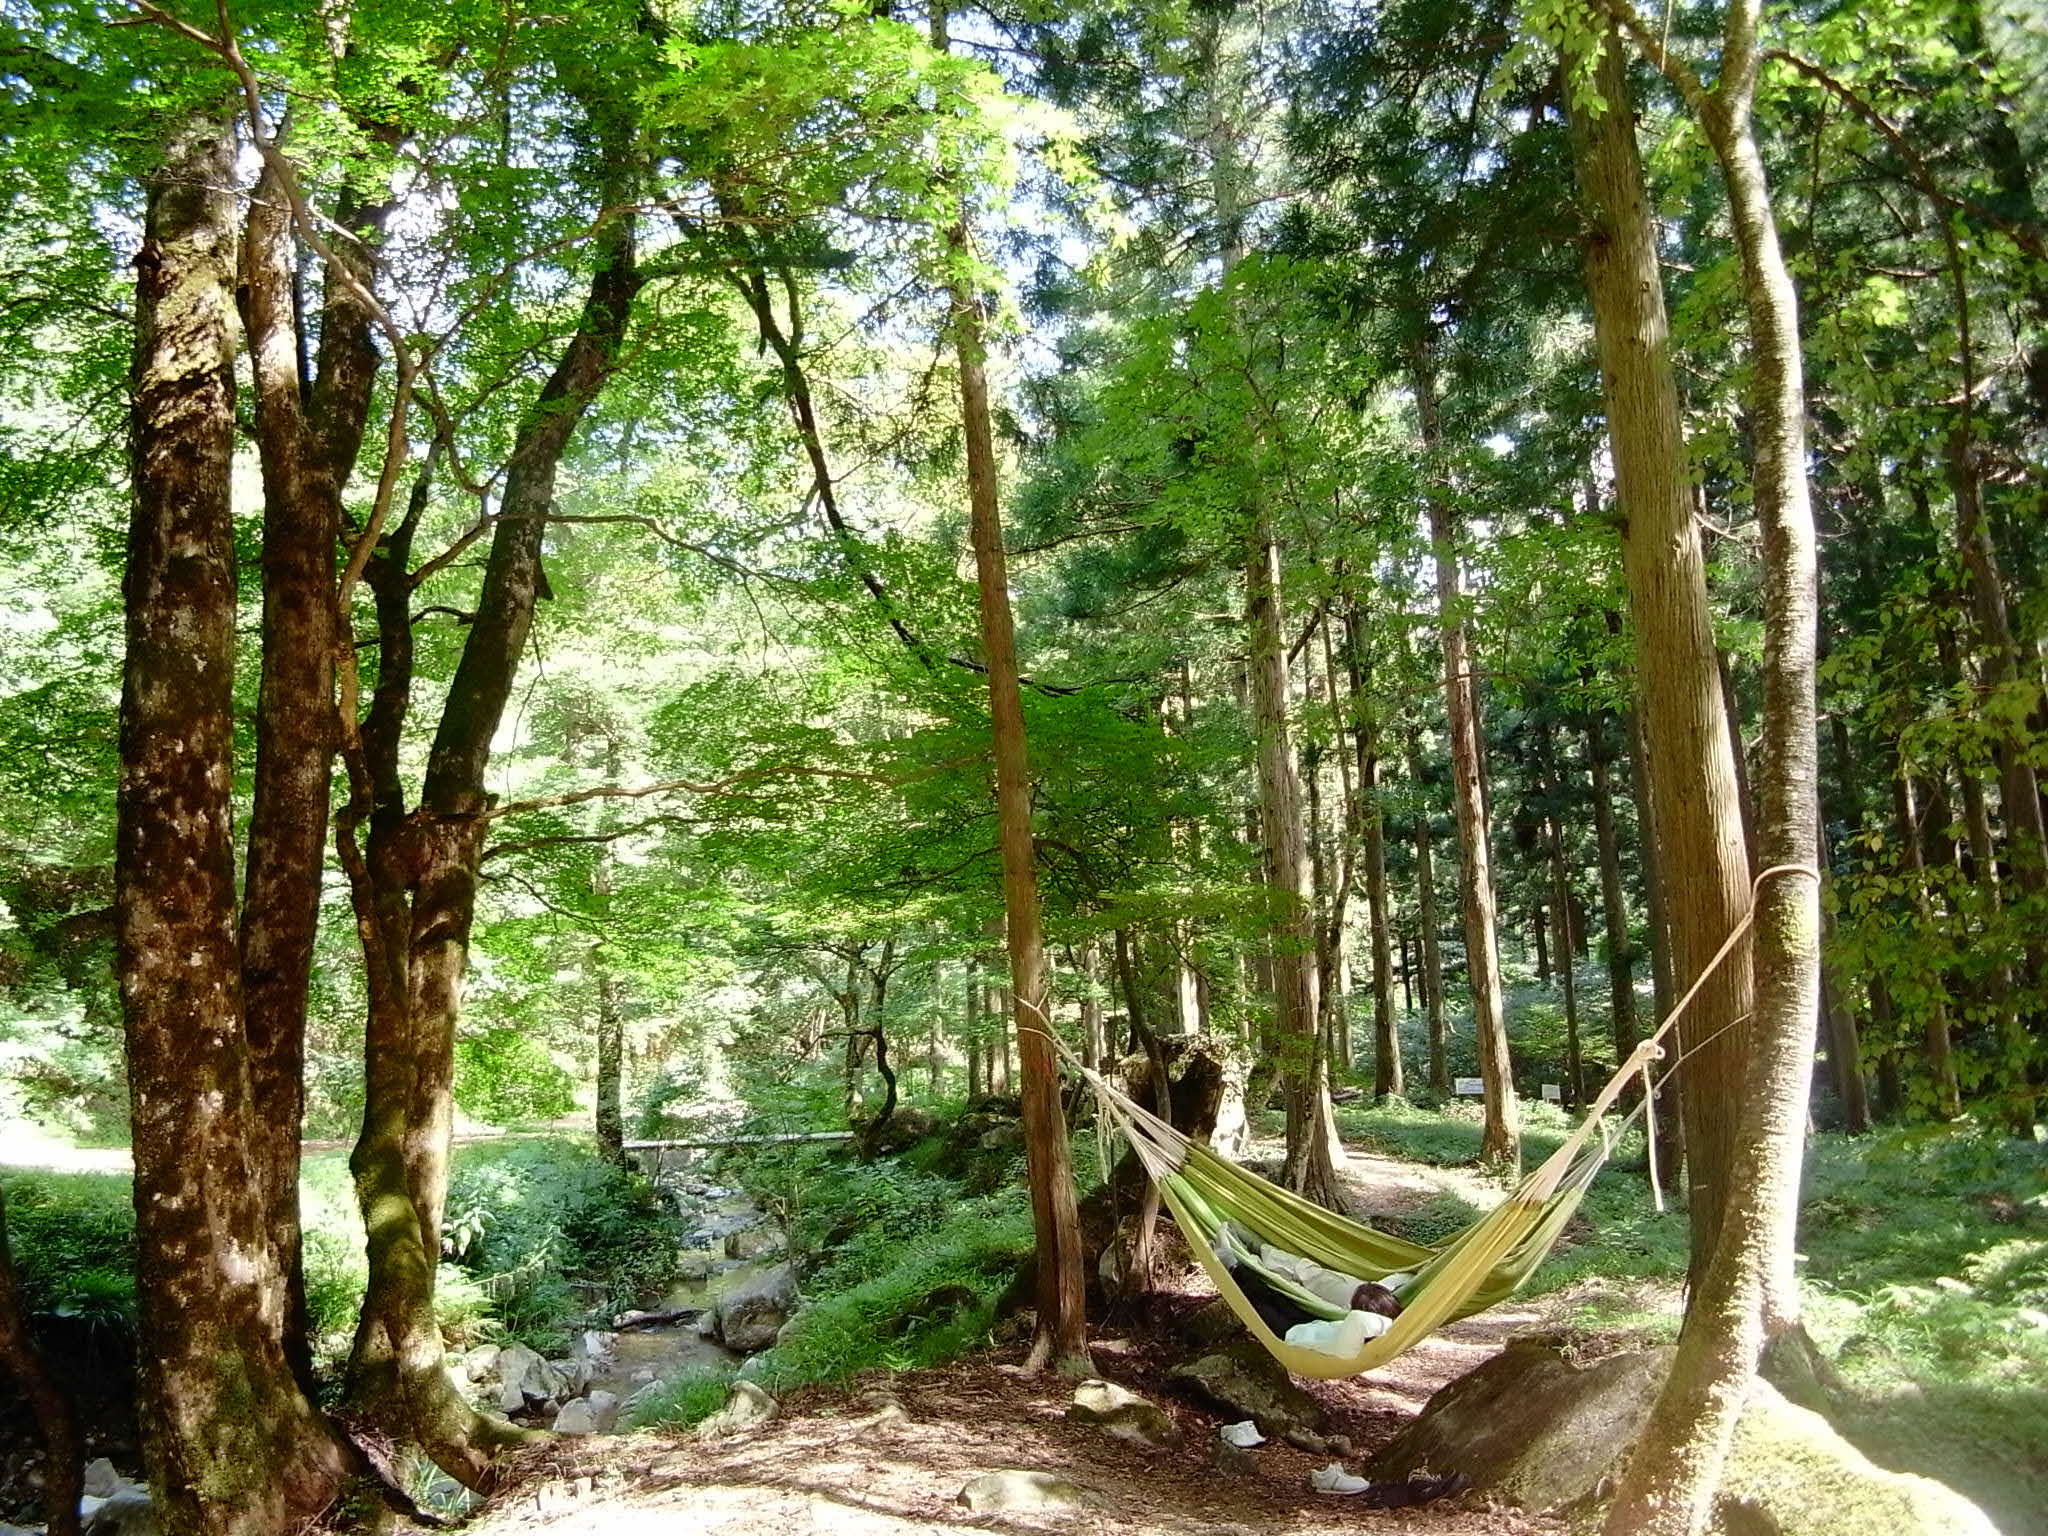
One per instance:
[(1477, 1268)]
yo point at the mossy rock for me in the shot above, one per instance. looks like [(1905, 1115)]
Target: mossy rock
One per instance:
[(1248, 1383), (1529, 1426), (1790, 1474), (1532, 1429)]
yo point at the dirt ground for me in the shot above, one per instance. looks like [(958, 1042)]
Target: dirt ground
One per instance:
[(889, 1456)]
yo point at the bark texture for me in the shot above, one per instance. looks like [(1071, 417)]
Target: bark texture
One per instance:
[(1062, 1335), (231, 1442), (1501, 1139), (1696, 809), (1749, 1291)]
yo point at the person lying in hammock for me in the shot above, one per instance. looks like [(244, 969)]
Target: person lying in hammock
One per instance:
[(1370, 1306)]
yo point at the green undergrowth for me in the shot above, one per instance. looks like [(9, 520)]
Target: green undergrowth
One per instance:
[(1923, 1254), (902, 1266), (541, 1232)]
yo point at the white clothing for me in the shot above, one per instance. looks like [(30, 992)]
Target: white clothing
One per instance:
[(1332, 1285), (1343, 1338)]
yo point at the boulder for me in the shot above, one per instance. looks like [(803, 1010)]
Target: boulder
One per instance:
[(515, 1364), (594, 1345), (1020, 1490), (1122, 1413), (597, 1414), (1248, 1383), (126, 1513), (1532, 1429), (576, 1418), (694, 1265), (1529, 1427), (746, 1407), (101, 1480), (748, 1317), (481, 1364), (756, 1242)]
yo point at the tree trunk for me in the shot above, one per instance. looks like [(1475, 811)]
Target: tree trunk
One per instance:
[(415, 898), (1621, 951), (1845, 1049), (63, 1448), (1310, 1167), (231, 1441), (1432, 957), (1941, 1066), (1061, 1338), (1749, 1293), (1501, 1140), (1697, 818), (1574, 1067), (1092, 1044), (1387, 1078)]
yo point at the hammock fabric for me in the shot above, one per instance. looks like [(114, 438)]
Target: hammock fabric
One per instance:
[(1479, 1268)]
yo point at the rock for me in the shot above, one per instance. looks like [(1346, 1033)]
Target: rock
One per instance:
[(516, 1364), (481, 1364), (1017, 1490), (1790, 1474), (126, 1513), (1214, 1325), (643, 1376), (747, 1407), (1530, 1428), (594, 1345), (568, 1378), (1250, 1384), (693, 1266), (749, 1315), (604, 1410), (597, 1414), (1122, 1413), (101, 1480), (756, 1243), (576, 1418)]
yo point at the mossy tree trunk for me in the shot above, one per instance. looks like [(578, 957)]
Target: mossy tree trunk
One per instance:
[(1749, 1292), (231, 1442), (1696, 823)]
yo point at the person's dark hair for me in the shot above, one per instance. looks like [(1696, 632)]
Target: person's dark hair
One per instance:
[(1373, 1297)]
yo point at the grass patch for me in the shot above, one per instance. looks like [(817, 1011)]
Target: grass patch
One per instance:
[(685, 1399)]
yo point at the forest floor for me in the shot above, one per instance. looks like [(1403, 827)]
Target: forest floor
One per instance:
[(888, 1455)]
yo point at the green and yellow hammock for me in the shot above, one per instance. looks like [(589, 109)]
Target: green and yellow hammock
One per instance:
[(1479, 1268)]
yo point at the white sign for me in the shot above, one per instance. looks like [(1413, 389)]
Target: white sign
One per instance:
[(1552, 1094), (1471, 1085)]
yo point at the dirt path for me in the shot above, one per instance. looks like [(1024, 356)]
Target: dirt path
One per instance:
[(891, 1461), (889, 1457)]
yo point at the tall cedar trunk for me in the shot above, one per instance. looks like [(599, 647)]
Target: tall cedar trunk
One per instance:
[(1621, 951), (1749, 1292), (231, 1442), (976, 1086), (63, 1448), (1387, 1078), (1427, 923), (1310, 1166), (1567, 970), (1501, 1140), (416, 898), (1845, 1048), (609, 1116), (1940, 1064), (1697, 818), (1092, 1044), (1669, 1130), (1062, 1331)]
